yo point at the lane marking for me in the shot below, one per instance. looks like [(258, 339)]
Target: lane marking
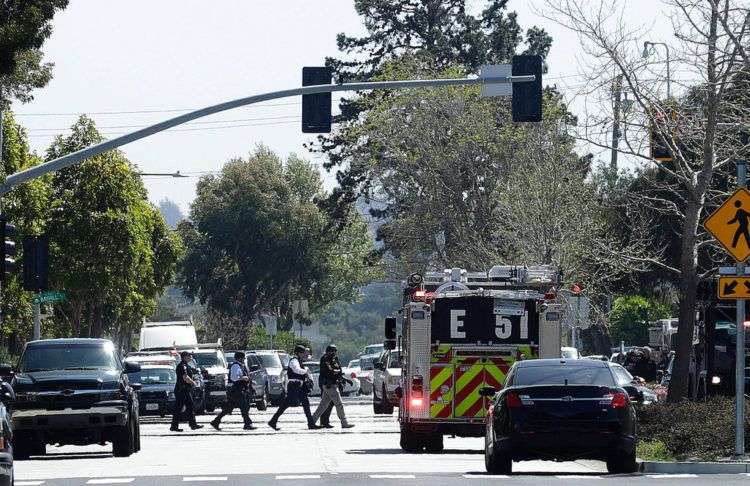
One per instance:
[(577, 476), (671, 476), (392, 476), (204, 478), (29, 483), (299, 476), (110, 481), (486, 476)]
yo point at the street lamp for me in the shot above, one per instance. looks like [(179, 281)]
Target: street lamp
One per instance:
[(162, 174), (647, 45)]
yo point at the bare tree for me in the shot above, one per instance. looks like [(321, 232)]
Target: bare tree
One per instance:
[(708, 61)]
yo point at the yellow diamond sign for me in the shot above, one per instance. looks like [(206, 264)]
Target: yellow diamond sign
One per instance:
[(730, 224)]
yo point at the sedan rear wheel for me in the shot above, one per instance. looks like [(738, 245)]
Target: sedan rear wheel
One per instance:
[(495, 460), (622, 463)]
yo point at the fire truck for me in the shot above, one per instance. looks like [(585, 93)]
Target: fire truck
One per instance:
[(460, 332)]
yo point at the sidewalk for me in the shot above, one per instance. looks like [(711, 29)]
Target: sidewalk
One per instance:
[(695, 467)]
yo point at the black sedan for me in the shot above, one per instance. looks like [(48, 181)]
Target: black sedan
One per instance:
[(156, 396), (557, 409)]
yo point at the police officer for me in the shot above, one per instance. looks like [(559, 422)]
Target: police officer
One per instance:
[(325, 419), (296, 389), (237, 394), (182, 388), (330, 374)]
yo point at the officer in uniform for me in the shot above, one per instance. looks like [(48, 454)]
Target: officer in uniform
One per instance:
[(182, 394), (330, 374), (237, 394), (296, 389)]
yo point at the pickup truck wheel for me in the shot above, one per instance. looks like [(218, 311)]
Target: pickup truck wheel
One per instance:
[(123, 442), (263, 403), (387, 406), (23, 446)]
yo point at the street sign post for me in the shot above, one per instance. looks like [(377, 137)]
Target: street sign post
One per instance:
[(730, 224), (734, 287)]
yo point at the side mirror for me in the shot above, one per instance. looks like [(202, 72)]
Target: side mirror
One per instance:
[(389, 344), (136, 386), (634, 393), (399, 392), (132, 367), (390, 328), (488, 391)]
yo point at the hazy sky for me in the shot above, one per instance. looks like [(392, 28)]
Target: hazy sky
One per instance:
[(129, 63)]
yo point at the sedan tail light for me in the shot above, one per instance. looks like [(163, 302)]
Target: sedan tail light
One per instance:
[(512, 400), (619, 400)]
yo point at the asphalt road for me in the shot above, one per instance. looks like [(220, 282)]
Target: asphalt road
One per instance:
[(366, 454)]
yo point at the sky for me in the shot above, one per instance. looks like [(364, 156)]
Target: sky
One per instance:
[(131, 63)]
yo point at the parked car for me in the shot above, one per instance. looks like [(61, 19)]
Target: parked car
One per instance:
[(172, 358), (371, 349), (167, 335), (213, 367), (560, 410), (156, 359), (348, 389), (7, 397), (271, 361), (156, 396), (633, 384), (569, 353), (386, 378), (259, 381), (366, 371), (74, 391)]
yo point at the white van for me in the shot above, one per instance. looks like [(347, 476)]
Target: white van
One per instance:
[(164, 335)]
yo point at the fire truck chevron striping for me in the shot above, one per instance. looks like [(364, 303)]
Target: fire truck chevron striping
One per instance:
[(461, 332)]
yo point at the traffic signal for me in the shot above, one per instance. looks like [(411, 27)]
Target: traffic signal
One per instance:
[(316, 108), (527, 97), (35, 263), (8, 262)]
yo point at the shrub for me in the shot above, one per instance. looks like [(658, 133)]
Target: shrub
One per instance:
[(702, 430)]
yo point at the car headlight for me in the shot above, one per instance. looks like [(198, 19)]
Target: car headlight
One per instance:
[(274, 379), (170, 395), (110, 395)]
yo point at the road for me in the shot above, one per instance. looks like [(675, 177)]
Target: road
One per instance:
[(366, 454)]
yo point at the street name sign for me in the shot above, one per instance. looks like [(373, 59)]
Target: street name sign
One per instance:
[(50, 296), (730, 224), (734, 287)]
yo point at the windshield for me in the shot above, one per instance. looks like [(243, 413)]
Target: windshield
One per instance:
[(285, 359), (366, 364), (373, 349), (313, 367), (68, 357), (208, 360), (151, 377), (270, 360), (563, 375)]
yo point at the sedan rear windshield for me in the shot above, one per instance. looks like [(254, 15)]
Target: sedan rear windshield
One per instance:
[(152, 377), (562, 375), (207, 360), (68, 357), (270, 360)]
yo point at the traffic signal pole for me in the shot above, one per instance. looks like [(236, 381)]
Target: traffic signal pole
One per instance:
[(739, 377), (14, 180), (37, 318)]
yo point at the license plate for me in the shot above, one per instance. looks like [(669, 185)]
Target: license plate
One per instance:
[(218, 393), (152, 406)]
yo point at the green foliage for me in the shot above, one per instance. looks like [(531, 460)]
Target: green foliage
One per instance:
[(110, 248), (653, 450), (256, 241), (703, 430), (258, 338), (24, 26), (630, 317)]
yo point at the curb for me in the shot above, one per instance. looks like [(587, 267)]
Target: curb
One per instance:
[(695, 467)]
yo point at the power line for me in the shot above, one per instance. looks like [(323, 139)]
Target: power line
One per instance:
[(134, 112), (187, 124)]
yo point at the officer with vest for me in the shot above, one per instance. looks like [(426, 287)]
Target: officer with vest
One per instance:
[(297, 389), (237, 394), (182, 388), (330, 376)]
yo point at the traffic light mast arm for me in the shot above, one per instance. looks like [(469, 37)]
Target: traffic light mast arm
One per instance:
[(18, 178)]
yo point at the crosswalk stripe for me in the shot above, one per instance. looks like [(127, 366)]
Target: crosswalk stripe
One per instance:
[(29, 483), (204, 478), (577, 476), (671, 476), (110, 481), (299, 476), (392, 476), (486, 476)]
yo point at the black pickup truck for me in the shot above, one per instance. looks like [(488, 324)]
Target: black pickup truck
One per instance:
[(74, 391)]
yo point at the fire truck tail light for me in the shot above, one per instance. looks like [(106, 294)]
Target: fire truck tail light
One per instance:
[(416, 402), (417, 386)]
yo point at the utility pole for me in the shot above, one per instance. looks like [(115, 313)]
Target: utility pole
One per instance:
[(739, 377), (616, 109)]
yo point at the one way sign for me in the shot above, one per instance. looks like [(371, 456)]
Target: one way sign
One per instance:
[(734, 287)]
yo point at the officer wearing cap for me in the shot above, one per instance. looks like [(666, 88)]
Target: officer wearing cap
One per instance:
[(330, 374), (182, 388), (237, 394), (296, 389)]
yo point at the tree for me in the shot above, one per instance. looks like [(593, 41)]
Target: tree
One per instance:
[(256, 241), (110, 248), (690, 124), (24, 26), (630, 317), (437, 34), (171, 212)]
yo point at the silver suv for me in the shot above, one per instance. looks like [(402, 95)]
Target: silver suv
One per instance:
[(386, 378)]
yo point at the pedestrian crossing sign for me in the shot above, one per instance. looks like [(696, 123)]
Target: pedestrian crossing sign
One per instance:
[(730, 224)]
